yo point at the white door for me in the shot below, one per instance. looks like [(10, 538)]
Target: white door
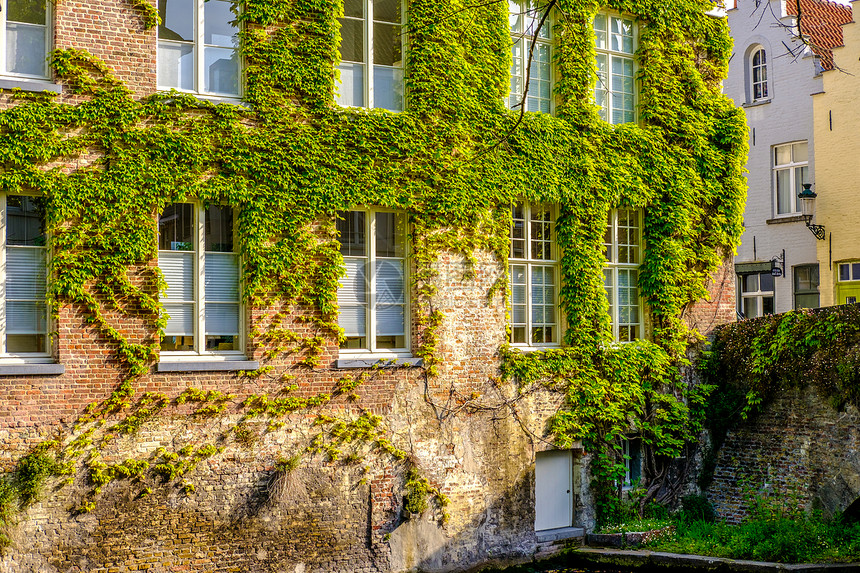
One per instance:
[(553, 490)]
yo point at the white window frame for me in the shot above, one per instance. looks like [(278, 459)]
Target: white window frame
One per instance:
[(792, 167), (529, 263), (760, 67), (23, 357), (757, 295), (614, 267), (367, 30), (200, 352), (606, 115), (853, 272), (49, 37), (372, 351), (524, 39), (199, 59)]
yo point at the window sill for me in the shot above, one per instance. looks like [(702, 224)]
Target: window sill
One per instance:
[(785, 219), (206, 365), (756, 103), (211, 98), (530, 349), (353, 362), (29, 84), (52, 369)]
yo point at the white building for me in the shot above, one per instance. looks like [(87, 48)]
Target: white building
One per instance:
[(772, 75)]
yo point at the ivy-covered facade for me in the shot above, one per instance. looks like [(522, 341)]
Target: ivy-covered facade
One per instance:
[(296, 282)]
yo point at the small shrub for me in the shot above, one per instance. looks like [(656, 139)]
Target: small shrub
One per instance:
[(697, 508)]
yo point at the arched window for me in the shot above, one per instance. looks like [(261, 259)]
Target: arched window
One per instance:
[(759, 74)]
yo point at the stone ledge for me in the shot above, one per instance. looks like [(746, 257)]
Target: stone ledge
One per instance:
[(780, 220), (647, 560), (352, 363), (559, 534), (30, 85), (32, 370), (206, 366)]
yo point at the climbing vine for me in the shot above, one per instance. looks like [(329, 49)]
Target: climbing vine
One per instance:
[(291, 159)]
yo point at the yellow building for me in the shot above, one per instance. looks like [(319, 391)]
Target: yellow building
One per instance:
[(836, 113)]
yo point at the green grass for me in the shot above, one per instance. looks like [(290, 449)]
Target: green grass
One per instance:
[(797, 539), (637, 525)]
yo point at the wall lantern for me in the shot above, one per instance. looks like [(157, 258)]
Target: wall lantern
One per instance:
[(807, 206)]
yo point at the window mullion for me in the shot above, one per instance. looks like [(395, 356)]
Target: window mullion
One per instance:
[(3, 223), (199, 70), (200, 278), (371, 274), (368, 89)]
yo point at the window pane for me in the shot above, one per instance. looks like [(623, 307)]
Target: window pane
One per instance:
[(844, 273), (766, 282), (26, 272), (353, 320), (177, 20), (600, 32), (388, 88), (21, 343), (177, 343), (353, 8), (855, 271), (767, 304), (28, 11), (26, 317), (809, 300), (390, 320), (386, 45), (353, 289), (801, 176), (176, 66), (801, 152), (222, 319), (350, 86), (390, 234), (351, 40), (221, 343), (180, 319), (221, 279), (784, 199), (351, 231), (750, 283), (386, 11), (622, 35), (26, 49), (515, 16), (750, 307), (390, 283), (782, 155), (219, 24), (176, 228), (219, 229), (25, 221), (221, 71), (178, 271)]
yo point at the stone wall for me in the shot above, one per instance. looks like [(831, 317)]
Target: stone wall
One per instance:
[(799, 450)]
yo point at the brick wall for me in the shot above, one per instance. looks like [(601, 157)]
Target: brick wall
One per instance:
[(472, 436)]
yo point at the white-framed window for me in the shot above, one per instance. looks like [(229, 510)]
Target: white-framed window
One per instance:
[(25, 35), (615, 39), (758, 74), (790, 172), (24, 260), (806, 282), (198, 47), (534, 276), (373, 297), (849, 272), (198, 257), (623, 246), (524, 18), (757, 298), (372, 46)]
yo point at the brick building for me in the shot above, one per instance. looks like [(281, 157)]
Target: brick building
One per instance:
[(271, 440)]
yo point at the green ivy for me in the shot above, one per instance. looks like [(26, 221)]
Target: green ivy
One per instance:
[(291, 159)]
